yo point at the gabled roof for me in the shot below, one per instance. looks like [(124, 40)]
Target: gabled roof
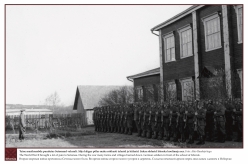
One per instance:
[(147, 73), (91, 95), (177, 17)]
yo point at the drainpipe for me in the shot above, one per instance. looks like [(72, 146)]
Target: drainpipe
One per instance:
[(153, 32)]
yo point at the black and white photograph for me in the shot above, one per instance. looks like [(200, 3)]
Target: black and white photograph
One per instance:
[(124, 76)]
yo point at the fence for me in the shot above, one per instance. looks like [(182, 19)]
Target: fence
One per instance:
[(47, 121)]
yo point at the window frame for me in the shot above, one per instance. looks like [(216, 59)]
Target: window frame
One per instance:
[(147, 89), (168, 84), (205, 20), (184, 80), (140, 93), (180, 31), (165, 37), (240, 37)]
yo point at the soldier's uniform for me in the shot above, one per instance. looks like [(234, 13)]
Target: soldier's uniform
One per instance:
[(190, 123), (219, 115), (154, 122), (136, 118), (125, 120), (140, 121), (229, 119), (166, 120), (182, 123), (130, 120), (149, 122), (108, 120), (115, 120), (201, 123), (112, 124), (174, 122), (160, 121), (210, 121), (122, 119), (239, 121), (144, 121), (22, 126)]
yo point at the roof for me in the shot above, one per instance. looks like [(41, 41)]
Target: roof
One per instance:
[(177, 17), (91, 95), (147, 73)]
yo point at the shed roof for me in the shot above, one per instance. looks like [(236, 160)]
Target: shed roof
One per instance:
[(91, 95), (146, 73)]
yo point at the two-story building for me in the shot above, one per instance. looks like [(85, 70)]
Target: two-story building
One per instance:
[(201, 56)]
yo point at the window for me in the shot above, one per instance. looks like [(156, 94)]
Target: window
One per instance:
[(187, 89), (140, 94), (185, 35), (212, 32), (150, 94), (239, 12), (171, 93), (169, 47)]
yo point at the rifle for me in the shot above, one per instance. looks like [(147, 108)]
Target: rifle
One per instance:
[(233, 116), (177, 119), (162, 118), (185, 119), (170, 117), (150, 115), (139, 116), (195, 118), (144, 118)]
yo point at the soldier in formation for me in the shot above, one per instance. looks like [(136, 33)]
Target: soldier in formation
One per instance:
[(213, 120)]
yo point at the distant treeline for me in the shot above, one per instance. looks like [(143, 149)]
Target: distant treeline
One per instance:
[(56, 110)]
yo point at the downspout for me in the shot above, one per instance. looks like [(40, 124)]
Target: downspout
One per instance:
[(153, 32)]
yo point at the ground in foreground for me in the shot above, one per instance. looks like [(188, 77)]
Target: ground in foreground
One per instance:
[(93, 139)]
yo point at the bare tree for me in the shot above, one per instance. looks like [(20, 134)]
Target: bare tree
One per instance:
[(124, 95), (53, 100)]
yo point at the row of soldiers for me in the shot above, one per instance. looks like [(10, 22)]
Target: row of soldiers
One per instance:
[(179, 121)]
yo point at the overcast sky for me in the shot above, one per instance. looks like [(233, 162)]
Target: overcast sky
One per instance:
[(57, 47)]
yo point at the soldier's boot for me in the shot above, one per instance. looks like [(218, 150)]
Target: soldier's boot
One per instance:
[(191, 141), (160, 135), (155, 135), (223, 138), (229, 138), (238, 138), (143, 134), (200, 141), (149, 134), (126, 131), (182, 138), (139, 133), (130, 131), (167, 138)]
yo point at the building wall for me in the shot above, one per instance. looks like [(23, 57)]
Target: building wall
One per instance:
[(148, 80), (180, 68), (237, 48), (80, 109), (184, 68), (214, 58)]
